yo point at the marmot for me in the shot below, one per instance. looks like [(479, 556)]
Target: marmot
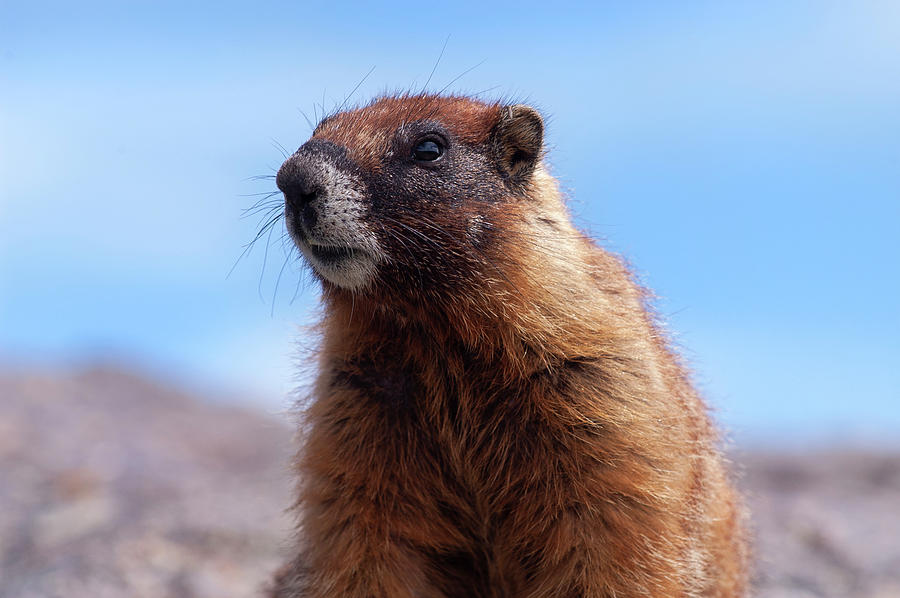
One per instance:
[(497, 412)]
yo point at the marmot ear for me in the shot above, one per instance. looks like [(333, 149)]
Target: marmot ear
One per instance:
[(518, 139)]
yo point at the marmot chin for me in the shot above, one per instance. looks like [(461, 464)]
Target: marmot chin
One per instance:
[(497, 412)]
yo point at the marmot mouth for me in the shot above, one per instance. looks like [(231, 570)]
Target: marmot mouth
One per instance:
[(331, 255)]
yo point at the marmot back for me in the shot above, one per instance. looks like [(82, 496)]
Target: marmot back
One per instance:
[(496, 412)]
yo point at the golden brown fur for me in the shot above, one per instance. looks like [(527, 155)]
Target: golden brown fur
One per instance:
[(515, 424)]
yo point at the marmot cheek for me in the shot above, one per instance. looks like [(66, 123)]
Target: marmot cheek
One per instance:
[(474, 227)]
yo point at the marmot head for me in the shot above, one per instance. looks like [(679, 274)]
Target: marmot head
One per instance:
[(420, 193)]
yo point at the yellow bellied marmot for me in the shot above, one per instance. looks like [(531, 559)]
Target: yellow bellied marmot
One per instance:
[(496, 412)]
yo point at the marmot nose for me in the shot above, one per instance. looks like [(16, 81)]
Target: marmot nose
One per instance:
[(300, 191)]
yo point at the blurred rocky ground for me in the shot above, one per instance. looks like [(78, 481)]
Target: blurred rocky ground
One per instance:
[(114, 485)]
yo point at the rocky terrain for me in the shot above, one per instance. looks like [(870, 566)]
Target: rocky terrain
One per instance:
[(114, 485)]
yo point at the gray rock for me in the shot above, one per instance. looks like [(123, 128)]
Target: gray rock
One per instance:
[(114, 485)]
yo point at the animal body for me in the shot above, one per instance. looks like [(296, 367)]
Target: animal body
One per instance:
[(497, 413)]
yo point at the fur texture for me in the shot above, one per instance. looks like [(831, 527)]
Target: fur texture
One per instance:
[(497, 413)]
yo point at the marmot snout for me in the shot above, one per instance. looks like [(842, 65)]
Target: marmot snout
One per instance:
[(325, 212), (497, 412)]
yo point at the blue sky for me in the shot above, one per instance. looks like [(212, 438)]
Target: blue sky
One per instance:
[(744, 156)]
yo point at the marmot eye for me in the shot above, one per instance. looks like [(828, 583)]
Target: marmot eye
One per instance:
[(428, 151)]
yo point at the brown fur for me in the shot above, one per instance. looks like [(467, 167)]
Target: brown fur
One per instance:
[(516, 424), (367, 133)]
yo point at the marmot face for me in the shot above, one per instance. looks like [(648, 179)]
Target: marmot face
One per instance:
[(403, 193)]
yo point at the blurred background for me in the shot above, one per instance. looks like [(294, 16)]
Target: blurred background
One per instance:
[(745, 157)]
